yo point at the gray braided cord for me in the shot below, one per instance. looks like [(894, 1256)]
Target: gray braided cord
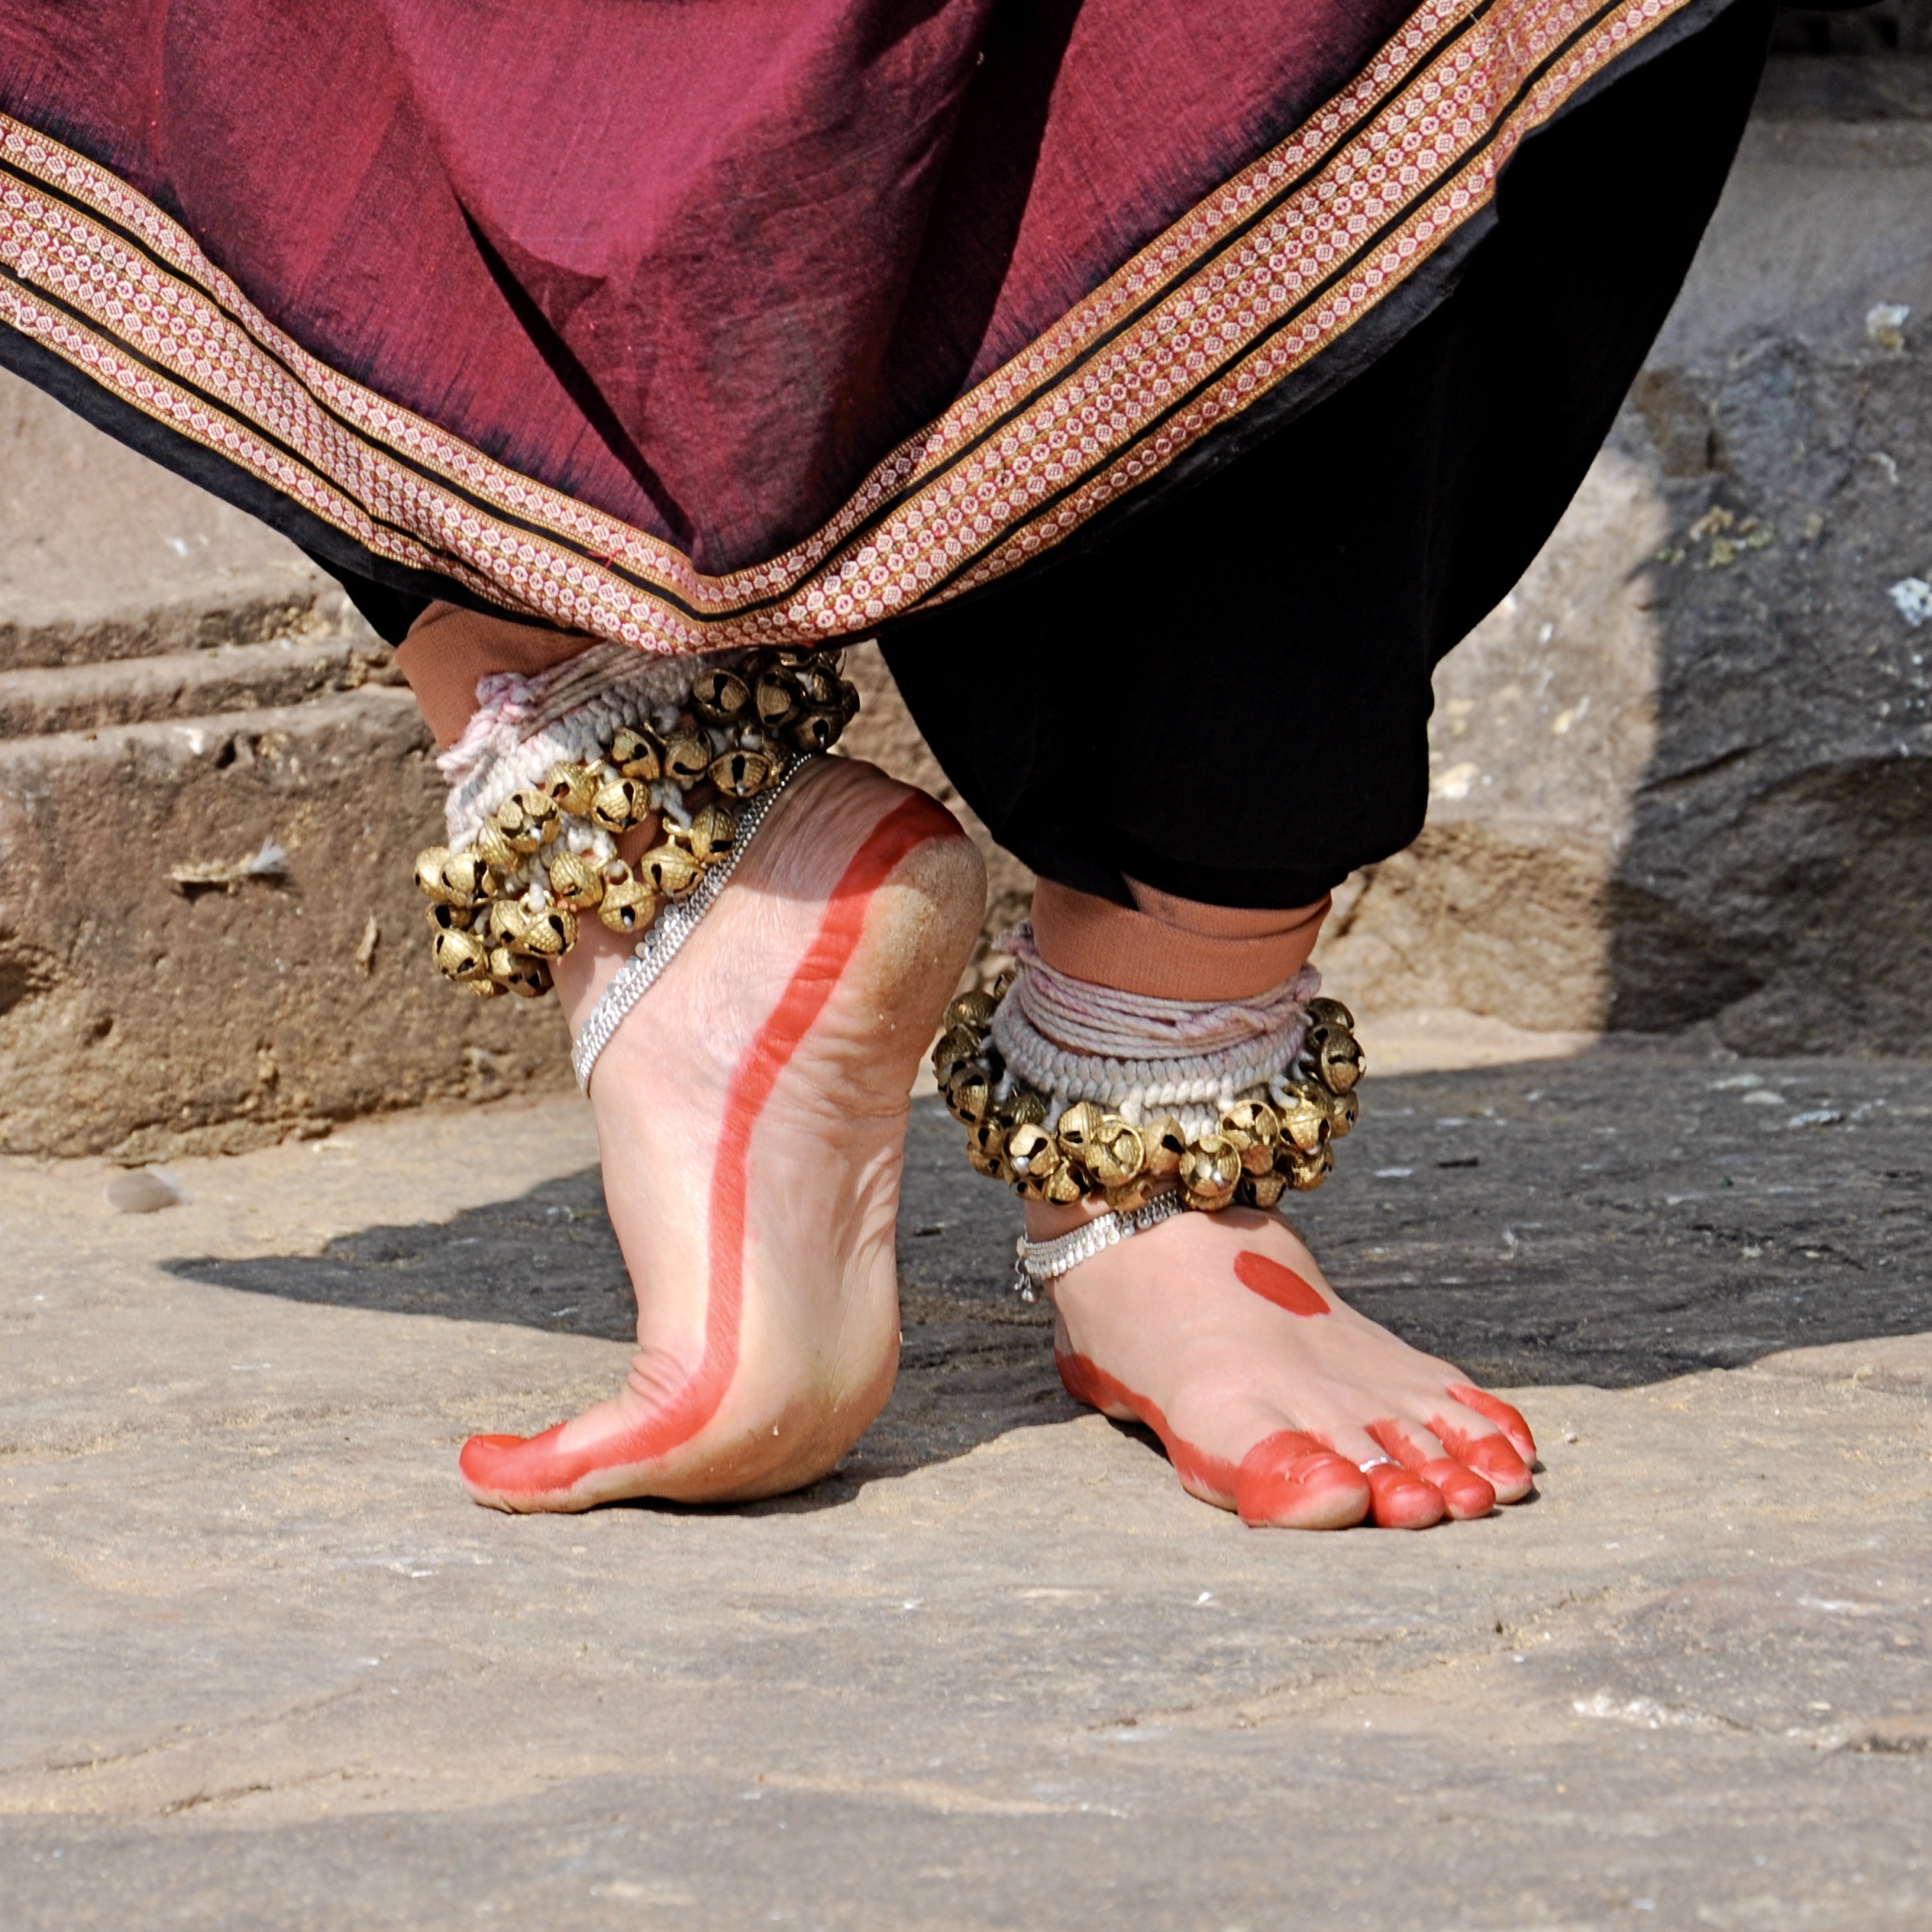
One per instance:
[(668, 932)]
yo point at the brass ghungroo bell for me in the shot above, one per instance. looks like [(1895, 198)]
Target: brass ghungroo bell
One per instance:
[(577, 881), (527, 819), (460, 955), (1210, 1171), (496, 851), (547, 932), (718, 697), (430, 881), (1078, 1128), (465, 876), (969, 1094), (638, 752), (687, 757), (669, 870), (814, 730), (620, 804), (714, 833), (628, 905), (778, 699), (1253, 1128), (570, 786), (1117, 1154), (742, 773), (1166, 1141)]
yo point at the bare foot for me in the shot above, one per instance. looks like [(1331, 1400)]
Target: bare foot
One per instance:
[(751, 1114), (1218, 1332)]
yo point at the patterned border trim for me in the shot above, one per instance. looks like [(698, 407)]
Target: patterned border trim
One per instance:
[(1245, 289)]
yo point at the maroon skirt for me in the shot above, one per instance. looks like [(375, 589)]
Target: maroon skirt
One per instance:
[(689, 323)]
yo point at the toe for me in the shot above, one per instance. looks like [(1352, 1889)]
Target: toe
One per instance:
[(510, 1472), (1509, 1421), (1289, 1481), (1465, 1494), (1490, 1454), (1403, 1501)]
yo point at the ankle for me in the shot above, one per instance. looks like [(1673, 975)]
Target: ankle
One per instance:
[(1166, 948)]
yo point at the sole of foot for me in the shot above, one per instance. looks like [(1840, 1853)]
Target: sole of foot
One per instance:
[(1268, 1392), (751, 1113)]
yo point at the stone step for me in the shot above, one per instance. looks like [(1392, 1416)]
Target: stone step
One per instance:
[(192, 684), (210, 938), (103, 555)]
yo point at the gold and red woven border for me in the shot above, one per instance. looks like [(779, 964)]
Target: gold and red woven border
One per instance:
[(1245, 289)]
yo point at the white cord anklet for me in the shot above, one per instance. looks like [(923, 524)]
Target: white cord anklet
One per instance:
[(1038, 1264), (668, 933)]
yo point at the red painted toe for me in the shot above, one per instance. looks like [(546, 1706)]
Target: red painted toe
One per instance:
[(1499, 1465), (1509, 1421), (1290, 1482), (1403, 1501), (512, 1467), (1465, 1493), (1490, 1457)]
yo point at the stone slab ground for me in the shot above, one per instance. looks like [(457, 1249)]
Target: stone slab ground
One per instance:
[(270, 1668)]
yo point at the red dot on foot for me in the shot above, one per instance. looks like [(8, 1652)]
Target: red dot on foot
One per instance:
[(1273, 1282)]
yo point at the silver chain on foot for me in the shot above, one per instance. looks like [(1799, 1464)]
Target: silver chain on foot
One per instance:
[(1038, 1264), (668, 933)]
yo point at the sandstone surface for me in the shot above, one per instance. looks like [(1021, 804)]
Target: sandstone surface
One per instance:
[(271, 1669)]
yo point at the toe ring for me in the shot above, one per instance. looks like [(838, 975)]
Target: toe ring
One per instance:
[(1378, 1462)]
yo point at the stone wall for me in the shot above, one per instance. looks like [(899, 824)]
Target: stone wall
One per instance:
[(1683, 777), (211, 788)]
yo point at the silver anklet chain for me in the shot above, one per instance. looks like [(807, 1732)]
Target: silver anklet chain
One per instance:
[(668, 932), (1038, 1264)]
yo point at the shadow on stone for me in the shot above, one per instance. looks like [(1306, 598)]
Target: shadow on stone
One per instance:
[(1634, 1215), (975, 1361)]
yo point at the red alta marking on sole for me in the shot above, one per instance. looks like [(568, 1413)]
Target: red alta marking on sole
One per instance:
[(1281, 1285), (512, 1467), (1288, 1477)]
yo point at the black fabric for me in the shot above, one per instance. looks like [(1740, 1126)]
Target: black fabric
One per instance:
[(389, 613), (1251, 745)]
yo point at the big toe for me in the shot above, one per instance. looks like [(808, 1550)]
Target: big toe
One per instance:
[(508, 1472), (1291, 1481)]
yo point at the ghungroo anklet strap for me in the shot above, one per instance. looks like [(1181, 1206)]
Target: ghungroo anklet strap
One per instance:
[(505, 905), (1259, 1142), (668, 932), (1038, 1264)]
